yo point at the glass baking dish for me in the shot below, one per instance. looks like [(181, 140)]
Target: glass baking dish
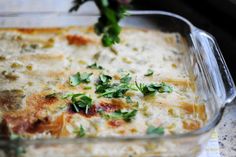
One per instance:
[(204, 62)]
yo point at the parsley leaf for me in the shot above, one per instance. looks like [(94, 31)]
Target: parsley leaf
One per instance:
[(119, 114), (85, 77), (125, 79), (110, 38), (104, 79), (103, 83), (79, 102), (155, 130), (78, 78), (84, 102), (115, 90), (149, 72), (127, 116), (145, 89), (80, 131), (101, 88), (153, 88), (95, 66), (164, 88)]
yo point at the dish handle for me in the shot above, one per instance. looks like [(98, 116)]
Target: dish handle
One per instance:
[(218, 71)]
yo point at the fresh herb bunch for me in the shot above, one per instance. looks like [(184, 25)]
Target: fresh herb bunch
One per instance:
[(111, 11)]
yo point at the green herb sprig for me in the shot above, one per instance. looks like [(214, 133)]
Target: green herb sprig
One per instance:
[(111, 12)]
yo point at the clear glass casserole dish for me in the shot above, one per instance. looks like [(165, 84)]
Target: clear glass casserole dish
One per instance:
[(204, 61)]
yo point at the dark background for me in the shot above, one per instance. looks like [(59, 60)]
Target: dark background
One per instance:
[(217, 17)]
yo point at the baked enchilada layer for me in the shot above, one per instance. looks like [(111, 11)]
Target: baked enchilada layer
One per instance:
[(61, 82)]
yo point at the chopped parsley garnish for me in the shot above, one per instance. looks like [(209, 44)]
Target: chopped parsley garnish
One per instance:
[(79, 102), (78, 78), (126, 79), (80, 132), (112, 90), (152, 88), (95, 66), (101, 88), (126, 116), (149, 72), (164, 88), (103, 83), (155, 130), (115, 91), (104, 79), (119, 114)]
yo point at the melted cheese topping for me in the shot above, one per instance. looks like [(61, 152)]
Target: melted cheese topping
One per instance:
[(35, 63)]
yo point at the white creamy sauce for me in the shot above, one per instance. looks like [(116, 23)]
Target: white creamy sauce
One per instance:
[(27, 64)]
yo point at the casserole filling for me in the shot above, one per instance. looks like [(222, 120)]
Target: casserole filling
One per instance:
[(61, 82)]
